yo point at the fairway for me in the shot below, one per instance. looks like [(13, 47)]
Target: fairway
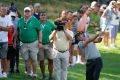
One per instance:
[(53, 8), (110, 71)]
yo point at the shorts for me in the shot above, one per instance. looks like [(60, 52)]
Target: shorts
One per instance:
[(29, 50), (113, 31), (3, 50), (45, 52)]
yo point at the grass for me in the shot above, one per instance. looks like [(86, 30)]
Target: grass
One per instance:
[(111, 57), (110, 71)]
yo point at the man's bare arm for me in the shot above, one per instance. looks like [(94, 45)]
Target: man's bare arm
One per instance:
[(5, 28)]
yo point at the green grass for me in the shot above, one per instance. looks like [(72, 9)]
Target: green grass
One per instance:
[(110, 71), (111, 57)]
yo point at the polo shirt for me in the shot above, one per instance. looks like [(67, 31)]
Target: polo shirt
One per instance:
[(90, 50), (48, 27), (28, 32), (61, 43)]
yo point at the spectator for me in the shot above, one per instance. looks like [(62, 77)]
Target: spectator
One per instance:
[(114, 27), (84, 22), (15, 55), (32, 9), (46, 50), (63, 15), (10, 44), (94, 17), (30, 35), (37, 10), (5, 26), (73, 53), (69, 20), (61, 38), (105, 22)]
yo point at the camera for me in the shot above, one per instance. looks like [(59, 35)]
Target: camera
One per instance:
[(60, 24)]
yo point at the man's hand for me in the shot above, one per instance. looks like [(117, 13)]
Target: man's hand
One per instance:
[(14, 45), (6, 29), (39, 45), (71, 59)]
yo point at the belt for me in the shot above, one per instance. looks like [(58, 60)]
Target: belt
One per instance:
[(28, 41), (62, 51), (92, 60)]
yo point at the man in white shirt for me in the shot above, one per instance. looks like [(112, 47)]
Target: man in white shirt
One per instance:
[(5, 26), (114, 28)]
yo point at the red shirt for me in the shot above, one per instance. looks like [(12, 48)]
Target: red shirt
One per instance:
[(10, 36)]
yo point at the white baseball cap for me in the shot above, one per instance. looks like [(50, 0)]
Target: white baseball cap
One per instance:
[(12, 14), (93, 4), (27, 8)]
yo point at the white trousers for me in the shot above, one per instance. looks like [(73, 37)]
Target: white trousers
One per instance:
[(60, 61)]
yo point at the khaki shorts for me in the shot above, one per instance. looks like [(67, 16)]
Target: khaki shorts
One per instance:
[(29, 50), (45, 52)]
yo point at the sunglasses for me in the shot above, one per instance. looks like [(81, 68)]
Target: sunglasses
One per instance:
[(27, 10), (43, 15)]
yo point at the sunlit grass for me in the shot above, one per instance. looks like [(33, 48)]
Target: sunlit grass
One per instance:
[(111, 57)]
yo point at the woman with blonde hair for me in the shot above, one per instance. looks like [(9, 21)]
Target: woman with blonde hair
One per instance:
[(106, 20)]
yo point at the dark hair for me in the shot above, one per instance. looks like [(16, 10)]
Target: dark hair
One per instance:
[(18, 13), (69, 11), (80, 11), (8, 12), (74, 16), (12, 4), (42, 12)]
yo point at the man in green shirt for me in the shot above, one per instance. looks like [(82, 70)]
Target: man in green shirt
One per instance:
[(94, 18), (46, 50), (30, 34)]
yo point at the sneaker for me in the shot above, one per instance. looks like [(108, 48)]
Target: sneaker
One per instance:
[(34, 76), (113, 46), (29, 74), (106, 47), (1, 76), (4, 75)]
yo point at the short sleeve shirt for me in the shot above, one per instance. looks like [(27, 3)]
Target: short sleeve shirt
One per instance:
[(48, 27), (90, 51), (29, 31)]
